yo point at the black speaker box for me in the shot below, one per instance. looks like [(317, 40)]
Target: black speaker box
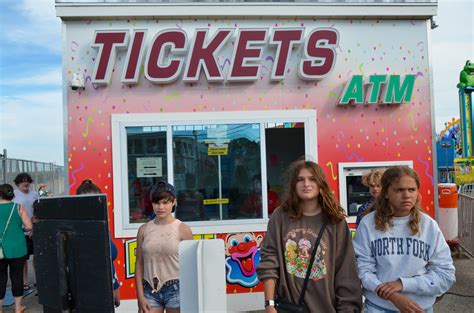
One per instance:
[(72, 254)]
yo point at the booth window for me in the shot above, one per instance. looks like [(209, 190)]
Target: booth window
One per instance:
[(226, 171), (214, 166), (146, 161)]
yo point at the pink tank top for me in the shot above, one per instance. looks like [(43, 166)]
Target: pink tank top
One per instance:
[(160, 253)]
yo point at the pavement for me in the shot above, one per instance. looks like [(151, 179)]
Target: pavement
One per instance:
[(459, 299)]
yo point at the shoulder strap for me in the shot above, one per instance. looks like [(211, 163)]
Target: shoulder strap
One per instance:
[(8, 222), (313, 255)]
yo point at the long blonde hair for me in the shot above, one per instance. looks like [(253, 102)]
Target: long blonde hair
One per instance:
[(383, 211), (291, 201)]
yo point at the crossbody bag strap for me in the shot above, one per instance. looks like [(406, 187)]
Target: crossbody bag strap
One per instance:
[(313, 255), (8, 222)]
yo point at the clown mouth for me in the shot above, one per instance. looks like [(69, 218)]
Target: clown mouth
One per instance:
[(245, 261)]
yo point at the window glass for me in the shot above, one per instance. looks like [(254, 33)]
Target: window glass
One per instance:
[(284, 144), (147, 160), (214, 166), (217, 168)]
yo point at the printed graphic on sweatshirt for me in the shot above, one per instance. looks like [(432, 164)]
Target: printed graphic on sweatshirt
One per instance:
[(400, 246), (298, 249)]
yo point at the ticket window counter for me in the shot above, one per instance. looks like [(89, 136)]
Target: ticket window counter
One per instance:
[(352, 192), (217, 163)]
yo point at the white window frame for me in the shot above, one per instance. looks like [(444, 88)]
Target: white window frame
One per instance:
[(358, 169), (125, 229)]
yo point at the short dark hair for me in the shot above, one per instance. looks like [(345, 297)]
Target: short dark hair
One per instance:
[(163, 191), (6, 192), (87, 187), (23, 177)]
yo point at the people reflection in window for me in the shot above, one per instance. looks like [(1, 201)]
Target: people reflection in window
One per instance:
[(190, 201), (211, 178), (252, 207)]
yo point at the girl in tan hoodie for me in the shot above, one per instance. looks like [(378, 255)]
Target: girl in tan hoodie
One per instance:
[(292, 231)]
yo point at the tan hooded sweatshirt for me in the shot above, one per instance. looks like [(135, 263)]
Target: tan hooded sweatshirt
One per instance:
[(334, 285)]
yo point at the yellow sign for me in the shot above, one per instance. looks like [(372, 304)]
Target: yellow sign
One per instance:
[(130, 257), (204, 236), (463, 171), (212, 151), (131, 252), (216, 201)]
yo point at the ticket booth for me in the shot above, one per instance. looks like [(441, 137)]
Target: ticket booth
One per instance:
[(219, 98)]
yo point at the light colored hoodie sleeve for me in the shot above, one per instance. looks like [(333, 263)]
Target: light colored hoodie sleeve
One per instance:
[(439, 276), (365, 260)]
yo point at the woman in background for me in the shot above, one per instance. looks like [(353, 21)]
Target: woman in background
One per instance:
[(88, 187), (25, 196), (372, 180), (13, 217)]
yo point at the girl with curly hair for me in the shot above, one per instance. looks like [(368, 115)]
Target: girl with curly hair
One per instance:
[(333, 283), (403, 259)]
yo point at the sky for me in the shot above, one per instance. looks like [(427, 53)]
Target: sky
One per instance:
[(31, 107)]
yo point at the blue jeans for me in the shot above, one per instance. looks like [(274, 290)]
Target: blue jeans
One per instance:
[(166, 297), (370, 307)]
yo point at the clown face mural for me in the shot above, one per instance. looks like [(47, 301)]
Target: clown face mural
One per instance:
[(242, 258)]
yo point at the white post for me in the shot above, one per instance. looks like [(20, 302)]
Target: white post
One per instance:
[(202, 276)]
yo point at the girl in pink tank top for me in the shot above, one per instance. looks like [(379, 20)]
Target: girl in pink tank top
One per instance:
[(157, 265)]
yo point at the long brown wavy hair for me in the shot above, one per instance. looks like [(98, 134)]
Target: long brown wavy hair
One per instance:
[(291, 201), (383, 211)]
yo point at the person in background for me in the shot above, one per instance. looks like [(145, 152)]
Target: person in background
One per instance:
[(26, 197), (370, 179), (273, 200), (288, 244), (252, 207), (403, 259), (157, 265), (88, 187), (191, 201), (13, 217)]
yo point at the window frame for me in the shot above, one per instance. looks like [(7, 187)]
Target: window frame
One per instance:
[(124, 229), (358, 169)]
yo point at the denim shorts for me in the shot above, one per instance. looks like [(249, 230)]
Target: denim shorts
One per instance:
[(166, 297), (370, 307)]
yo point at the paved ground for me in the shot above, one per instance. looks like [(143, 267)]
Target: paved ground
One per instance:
[(452, 302)]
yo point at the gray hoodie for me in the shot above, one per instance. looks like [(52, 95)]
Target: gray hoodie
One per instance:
[(422, 262)]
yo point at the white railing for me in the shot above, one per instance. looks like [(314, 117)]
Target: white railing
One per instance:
[(42, 173), (466, 218)]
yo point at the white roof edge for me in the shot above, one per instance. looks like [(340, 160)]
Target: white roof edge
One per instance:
[(71, 11)]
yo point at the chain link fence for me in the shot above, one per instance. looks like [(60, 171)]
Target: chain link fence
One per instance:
[(466, 218), (42, 173)]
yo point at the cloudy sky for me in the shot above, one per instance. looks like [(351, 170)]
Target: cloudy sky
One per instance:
[(31, 116)]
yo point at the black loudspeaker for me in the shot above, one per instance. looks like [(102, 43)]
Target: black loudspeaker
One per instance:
[(72, 254)]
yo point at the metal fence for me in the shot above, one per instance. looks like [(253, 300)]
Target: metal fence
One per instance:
[(466, 218), (42, 173)]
